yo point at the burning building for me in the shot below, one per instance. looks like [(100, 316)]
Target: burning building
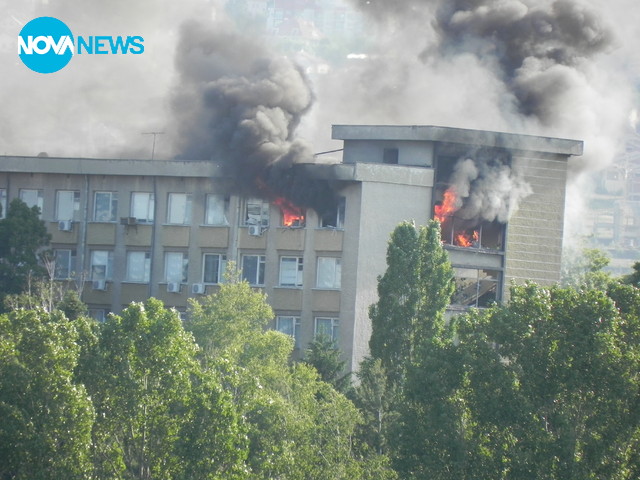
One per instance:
[(126, 230)]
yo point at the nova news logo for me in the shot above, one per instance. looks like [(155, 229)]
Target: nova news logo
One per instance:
[(46, 45)]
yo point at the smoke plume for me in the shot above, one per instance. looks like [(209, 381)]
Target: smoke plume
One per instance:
[(486, 187), (239, 103)]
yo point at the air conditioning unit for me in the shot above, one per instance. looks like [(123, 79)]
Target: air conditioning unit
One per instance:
[(128, 221), (65, 225), (99, 285), (198, 288), (173, 287), (255, 230)]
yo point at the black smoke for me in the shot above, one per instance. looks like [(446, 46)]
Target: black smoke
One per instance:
[(239, 103), (536, 46)]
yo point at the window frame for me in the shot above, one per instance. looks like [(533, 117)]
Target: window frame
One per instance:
[(298, 267), (265, 210), (340, 213), (75, 205), (108, 270), (70, 261), (150, 206), (146, 278), (209, 216), (113, 206), (258, 280), (39, 198), (335, 327), (186, 212), (185, 267), (296, 325), (222, 265), (337, 273)]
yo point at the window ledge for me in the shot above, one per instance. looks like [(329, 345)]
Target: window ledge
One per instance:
[(329, 289), (286, 287)]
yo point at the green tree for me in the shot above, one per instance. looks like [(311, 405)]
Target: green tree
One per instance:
[(326, 358), (549, 389), (159, 414), (393, 316), (72, 306), (376, 399), (297, 426), (585, 268), (45, 431), (413, 343), (22, 235)]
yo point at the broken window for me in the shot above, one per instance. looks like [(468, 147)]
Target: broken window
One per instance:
[(335, 217), (257, 212), (475, 287)]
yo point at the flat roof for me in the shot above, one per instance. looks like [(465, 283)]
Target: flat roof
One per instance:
[(511, 141), (104, 166)]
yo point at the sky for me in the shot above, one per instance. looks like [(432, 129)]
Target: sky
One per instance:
[(563, 68)]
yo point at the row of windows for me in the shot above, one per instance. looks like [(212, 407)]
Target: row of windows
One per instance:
[(176, 267), (179, 208), (291, 325)]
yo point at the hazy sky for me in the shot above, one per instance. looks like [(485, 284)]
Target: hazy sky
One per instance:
[(566, 68)]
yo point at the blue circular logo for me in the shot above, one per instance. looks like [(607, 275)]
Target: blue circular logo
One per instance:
[(45, 45)]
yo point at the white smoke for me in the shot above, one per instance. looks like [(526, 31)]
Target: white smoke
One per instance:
[(487, 188)]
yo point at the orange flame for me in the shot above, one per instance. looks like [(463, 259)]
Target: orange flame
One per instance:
[(464, 239), (292, 215), (447, 207), (444, 210)]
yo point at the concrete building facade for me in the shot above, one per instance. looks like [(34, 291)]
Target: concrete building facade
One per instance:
[(131, 229)]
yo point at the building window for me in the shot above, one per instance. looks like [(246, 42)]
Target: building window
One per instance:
[(105, 207), (138, 267), (176, 267), (327, 327), (98, 314), (475, 287), (253, 269), (216, 211), (214, 265), (101, 265), (179, 208), (142, 205), (390, 156), (64, 264), (257, 212), (329, 272), (335, 217), (33, 198), (291, 271), (67, 204), (289, 325), (3, 203)]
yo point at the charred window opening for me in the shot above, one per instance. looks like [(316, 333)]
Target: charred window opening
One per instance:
[(292, 215), (475, 287), (468, 233), (334, 218), (484, 235)]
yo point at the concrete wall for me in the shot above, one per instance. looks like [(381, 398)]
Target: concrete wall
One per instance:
[(534, 233), (372, 151), (374, 210)]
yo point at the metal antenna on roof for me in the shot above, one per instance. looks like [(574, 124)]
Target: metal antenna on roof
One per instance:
[(153, 147)]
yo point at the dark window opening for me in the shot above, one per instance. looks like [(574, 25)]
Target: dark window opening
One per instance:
[(390, 156), (334, 218)]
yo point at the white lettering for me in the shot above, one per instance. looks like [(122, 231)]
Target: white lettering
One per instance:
[(42, 45), (24, 47)]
